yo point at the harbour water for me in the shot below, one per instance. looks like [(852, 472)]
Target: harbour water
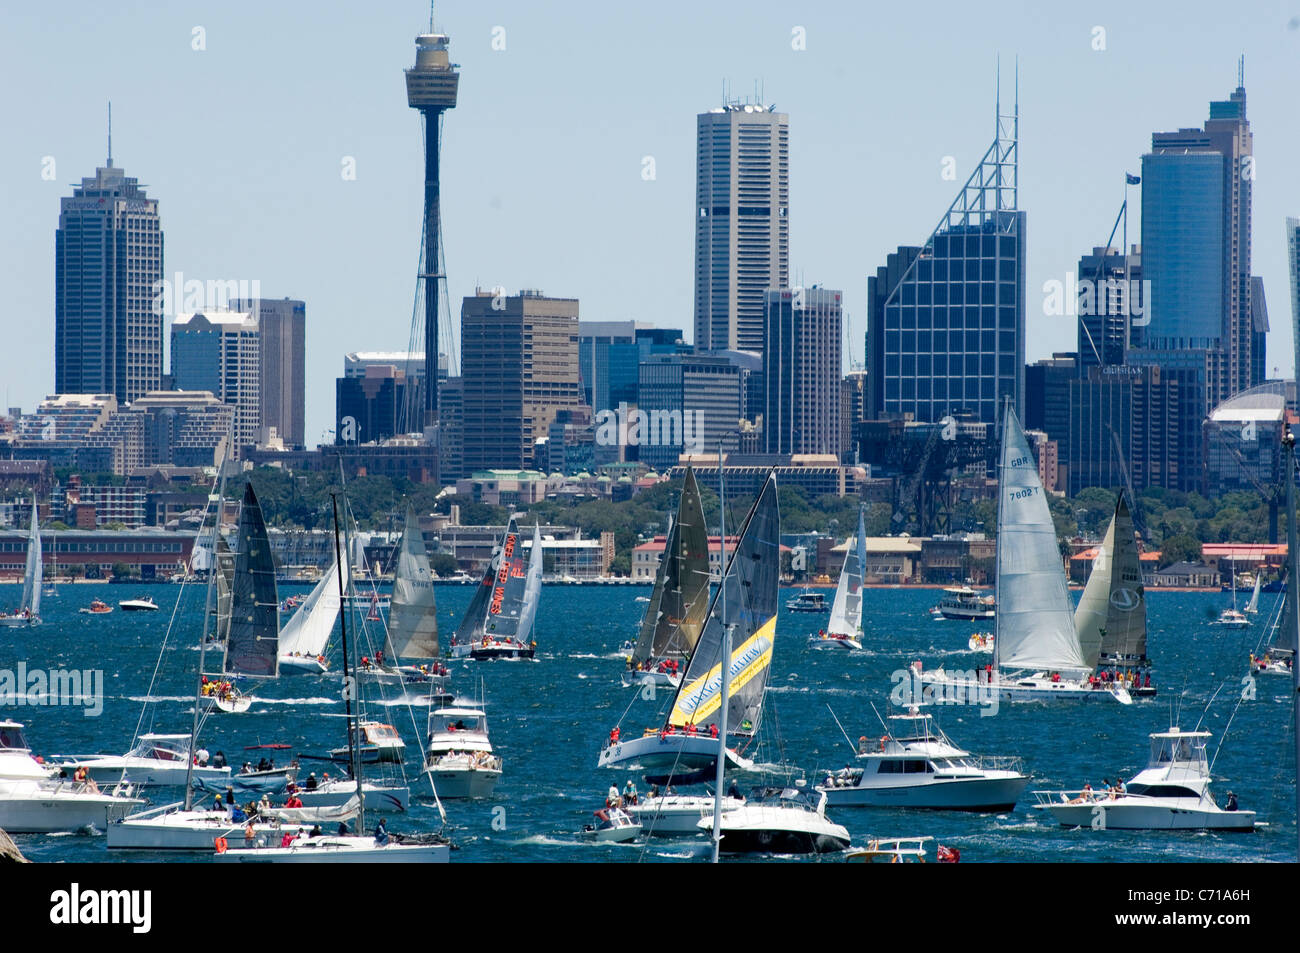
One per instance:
[(549, 717)]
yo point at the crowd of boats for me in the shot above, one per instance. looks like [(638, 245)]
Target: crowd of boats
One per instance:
[(703, 651)]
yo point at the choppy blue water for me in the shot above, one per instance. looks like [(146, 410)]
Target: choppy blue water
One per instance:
[(549, 717)]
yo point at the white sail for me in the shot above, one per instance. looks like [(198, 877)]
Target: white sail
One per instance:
[(413, 619), (1035, 624), (308, 630), (846, 611), (1111, 617), (532, 588), (32, 576), (1253, 606)]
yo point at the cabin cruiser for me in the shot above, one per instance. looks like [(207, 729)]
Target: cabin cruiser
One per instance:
[(807, 601), (378, 743), (965, 604), (459, 758), (916, 765), (1232, 619), (1171, 793), (138, 605), (677, 815), (34, 801), (779, 820), (156, 759)]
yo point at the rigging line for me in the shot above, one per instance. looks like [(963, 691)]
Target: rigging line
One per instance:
[(841, 727)]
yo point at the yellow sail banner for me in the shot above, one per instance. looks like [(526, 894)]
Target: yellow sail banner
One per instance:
[(701, 698)]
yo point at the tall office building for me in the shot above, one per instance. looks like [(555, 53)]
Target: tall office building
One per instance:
[(108, 255), (220, 352), (1293, 266), (282, 326), (1196, 217), (431, 87), (946, 321), (802, 371), (742, 222), (1112, 314), (693, 403), (519, 365)]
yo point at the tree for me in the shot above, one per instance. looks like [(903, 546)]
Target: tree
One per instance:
[(1181, 548), (444, 564)]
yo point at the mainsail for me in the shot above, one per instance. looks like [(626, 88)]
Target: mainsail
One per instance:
[(532, 588), (1111, 619), (413, 619), (1035, 625), (224, 567), (32, 575), (471, 624), (680, 601), (505, 608), (253, 644), (846, 610), (1284, 636), (308, 630), (748, 595)]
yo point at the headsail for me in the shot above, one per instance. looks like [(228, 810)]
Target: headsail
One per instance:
[(308, 630), (680, 601), (1111, 619), (1252, 607), (471, 623), (224, 567), (1284, 636), (413, 619), (749, 587), (1035, 625), (532, 587), (253, 645), (32, 574), (846, 611)]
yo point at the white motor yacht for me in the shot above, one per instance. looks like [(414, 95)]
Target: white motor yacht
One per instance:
[(156, 759), (341, 849), (677, 815), (916, 765), (1171, 793), (779, 820), (459, 757)]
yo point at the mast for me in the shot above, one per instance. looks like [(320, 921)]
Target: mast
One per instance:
[(726, 665), (213, 569), (1293, 606), (354, 754)]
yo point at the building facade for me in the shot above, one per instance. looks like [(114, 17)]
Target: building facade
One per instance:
[(221, 352), (801, 371), (282, 329)]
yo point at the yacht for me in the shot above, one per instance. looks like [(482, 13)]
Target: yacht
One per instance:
[(339, 849), (807, 601), (779, 820), (677, 815), (156, 759), (1232, 619), (916, 765), (459, 759), (138, 605), (965, 604), (33, 801), (1171, 793), (378, 743)]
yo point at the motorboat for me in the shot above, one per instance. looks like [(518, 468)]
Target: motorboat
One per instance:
[(613, 826), (341, 849), (378, 743), (33, 801), (916, 765), (964, 604), (96, 608), (897, 850), (779, 820), (459, 758), (138, 605), (1171, 793), (1232, 619), (156, 760), (981, 642), (677, 815), (808, 600)]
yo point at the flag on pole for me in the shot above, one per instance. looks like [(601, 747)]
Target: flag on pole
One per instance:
[(1130, 179)]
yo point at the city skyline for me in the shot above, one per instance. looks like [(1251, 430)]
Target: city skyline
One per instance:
[(280, 218)]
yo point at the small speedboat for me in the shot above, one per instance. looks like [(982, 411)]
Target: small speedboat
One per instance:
[(899, 850), (1232, 619), (138, 605), (96, 608), (612, 826)]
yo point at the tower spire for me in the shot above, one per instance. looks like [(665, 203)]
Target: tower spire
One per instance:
[(110, 134)]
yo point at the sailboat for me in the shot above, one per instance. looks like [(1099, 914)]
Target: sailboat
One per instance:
[(1037, 654), (499, 620), (29, 612), (253, 642), (1111, 617), (344, 848), (305, 636), (845, 626), (1252, 607), (679, 603), (50, 589), (1232, 618), (1279, 657), (687, 742)]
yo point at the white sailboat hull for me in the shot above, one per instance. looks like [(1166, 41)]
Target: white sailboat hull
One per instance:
[(658, 679), (34, 808), (14, 622), (339, 850), (144, 771), (183, 830), (378, 797), (676, 751), (843, 642), (1031, 688), (302, 665)]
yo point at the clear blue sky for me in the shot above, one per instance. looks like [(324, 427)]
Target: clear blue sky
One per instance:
[(243, 143)]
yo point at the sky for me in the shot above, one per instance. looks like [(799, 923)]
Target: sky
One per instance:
[(244, 119)]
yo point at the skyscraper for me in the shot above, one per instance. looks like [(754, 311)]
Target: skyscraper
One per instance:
[(1196, 212), (431, 87), (108, 255), (1293, 265), (519, 360), (282, 330), (946, 321), (1110, 306), (220, 352), (742, 223), (801, 371)]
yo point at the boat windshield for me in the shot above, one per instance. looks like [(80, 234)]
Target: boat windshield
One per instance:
[(11, 738), (784, 797)]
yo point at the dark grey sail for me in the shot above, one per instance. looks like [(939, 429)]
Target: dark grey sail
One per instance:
[(749, 587), (509, 585), (252, 647), (680, 601), (471, 623)]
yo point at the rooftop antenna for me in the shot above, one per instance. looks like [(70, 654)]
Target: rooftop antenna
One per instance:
[(1241, 71), (110, 133)]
